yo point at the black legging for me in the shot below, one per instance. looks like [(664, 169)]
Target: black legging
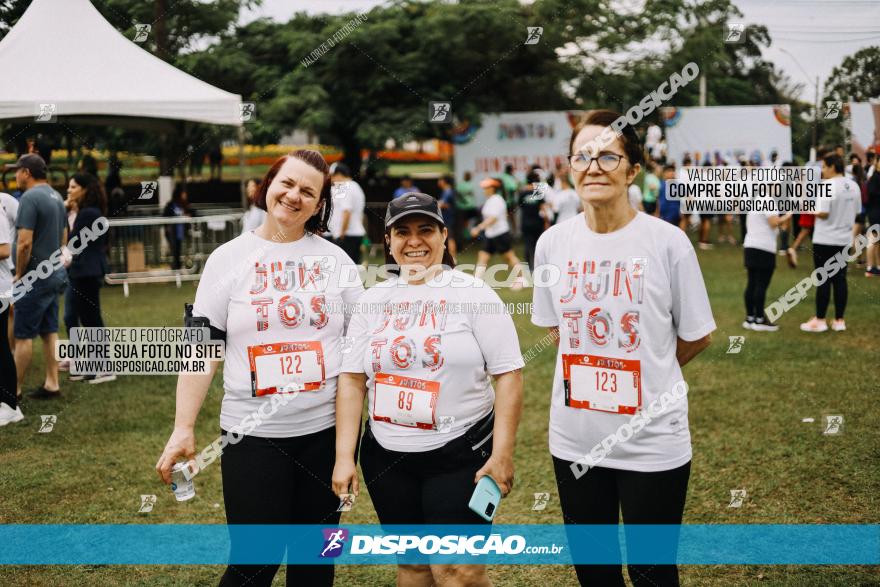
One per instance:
[(530, 241), (8, 374), (87, 300), (759, 272), (821, 254), (645, 498), (280, 481)]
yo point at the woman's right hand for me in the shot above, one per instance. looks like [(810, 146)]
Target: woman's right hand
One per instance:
[(345, 477), (181, 444)]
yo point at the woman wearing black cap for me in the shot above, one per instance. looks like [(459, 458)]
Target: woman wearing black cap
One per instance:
[(427, 344)]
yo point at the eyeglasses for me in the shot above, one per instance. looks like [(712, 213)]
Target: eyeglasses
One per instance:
[(606, 161)]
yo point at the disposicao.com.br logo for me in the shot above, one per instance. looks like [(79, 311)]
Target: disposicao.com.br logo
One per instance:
[(401, 544)]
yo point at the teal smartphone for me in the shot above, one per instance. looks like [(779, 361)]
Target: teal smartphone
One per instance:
[(487, 495)]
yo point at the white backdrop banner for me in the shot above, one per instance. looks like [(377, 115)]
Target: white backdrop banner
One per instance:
[(864, 118), (713, 134), (516, 138)]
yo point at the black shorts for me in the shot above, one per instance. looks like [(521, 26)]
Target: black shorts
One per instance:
[(500, 244), (860, 218), (873, 216), (431, 487), (758, 259), (649, 207)]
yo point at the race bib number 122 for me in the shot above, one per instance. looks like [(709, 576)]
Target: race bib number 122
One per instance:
[(286, 367)]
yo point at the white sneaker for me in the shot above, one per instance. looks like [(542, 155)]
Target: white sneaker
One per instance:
[(101, 378), (838, 326), (10, 416), (814, 325)]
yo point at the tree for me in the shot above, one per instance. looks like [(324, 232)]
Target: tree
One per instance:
[(857, 77)]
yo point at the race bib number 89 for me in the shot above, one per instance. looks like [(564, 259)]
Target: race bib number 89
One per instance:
[(405, 401), (602, 384), (286, 367)]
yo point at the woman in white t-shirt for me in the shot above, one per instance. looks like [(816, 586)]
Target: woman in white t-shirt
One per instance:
[(275, 295), (426, 345), (629, 309), (759, 253), (566, 203), (9, 408), (495, 228)]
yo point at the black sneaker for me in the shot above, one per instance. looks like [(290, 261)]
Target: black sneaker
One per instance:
[(100, 378), (43, 393), (764, 325)]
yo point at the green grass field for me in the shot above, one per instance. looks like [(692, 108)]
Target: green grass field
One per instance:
[(746, 414)]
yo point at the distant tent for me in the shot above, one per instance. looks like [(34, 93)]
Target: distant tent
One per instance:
[(63, 53)]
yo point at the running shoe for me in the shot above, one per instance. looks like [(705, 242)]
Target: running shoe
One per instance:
[(10, 416), (79, 377), (838, 325), (872, 272), (749, 322), (792, 257), (764, 325), (814, 325), (705, 246), (101, 378)]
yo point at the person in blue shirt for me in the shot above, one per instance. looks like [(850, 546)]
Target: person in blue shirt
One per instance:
[(670, 211), (406, 187)]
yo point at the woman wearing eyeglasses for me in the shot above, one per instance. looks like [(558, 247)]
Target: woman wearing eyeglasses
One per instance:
[(630, 310)]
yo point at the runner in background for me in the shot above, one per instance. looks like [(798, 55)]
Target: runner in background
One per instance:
[(254, 216), (347, 222), (669, 210), (873, 214), (436, 424), (566, 203), (759, 252), (494, 226), (274, 295), (651, 189), (630, 310), (535, 212), (10, 411), (465, 207), (857, 175), (833, 234), (447, 206), (634, 193), (806, 221)]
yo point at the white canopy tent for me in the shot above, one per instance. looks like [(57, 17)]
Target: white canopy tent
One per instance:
[(63, 52)]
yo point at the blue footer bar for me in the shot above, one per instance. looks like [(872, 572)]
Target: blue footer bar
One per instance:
[(142, 544)]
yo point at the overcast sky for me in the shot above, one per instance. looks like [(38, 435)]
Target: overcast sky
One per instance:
[(809, 37)]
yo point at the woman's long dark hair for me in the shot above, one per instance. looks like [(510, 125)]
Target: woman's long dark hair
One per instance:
[(448, 259), (94, 197)]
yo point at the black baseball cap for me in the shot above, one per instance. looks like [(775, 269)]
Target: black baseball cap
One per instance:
[(32, 162), (413, 203)]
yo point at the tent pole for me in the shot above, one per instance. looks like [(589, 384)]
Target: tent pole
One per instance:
[(242, 167)]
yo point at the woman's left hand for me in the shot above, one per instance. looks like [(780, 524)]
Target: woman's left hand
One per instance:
[(501, 470)]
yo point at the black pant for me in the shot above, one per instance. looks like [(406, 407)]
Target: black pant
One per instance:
[(821, 254), (759, 268), (352, 247), (530, 241), (176, 248), (432, 487), (645, 498), (8, 374), (280, 481), (87, 300)]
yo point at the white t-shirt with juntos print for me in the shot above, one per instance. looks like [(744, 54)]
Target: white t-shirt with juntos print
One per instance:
[(428, 352), (283, 308), (622, 300)]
